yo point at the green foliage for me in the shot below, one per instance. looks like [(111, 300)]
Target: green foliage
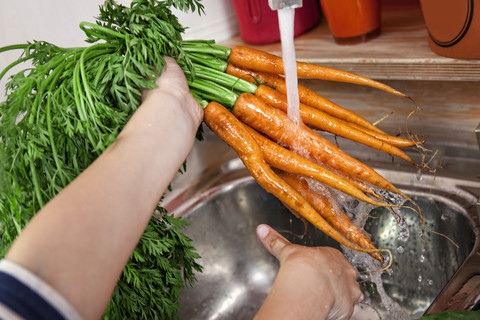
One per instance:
[(162, 262), (62, 113)]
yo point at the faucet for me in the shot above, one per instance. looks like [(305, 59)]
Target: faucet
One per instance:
[(285, 4)]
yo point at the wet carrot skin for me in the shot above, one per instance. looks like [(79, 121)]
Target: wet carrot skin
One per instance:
[(394, 141), (322, 121), (314, 100), (289, 161), (262, 61), (337, 218), (276, 124), (306, 95), (233, 132)]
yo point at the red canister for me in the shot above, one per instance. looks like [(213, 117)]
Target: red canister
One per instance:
[(259, 24)]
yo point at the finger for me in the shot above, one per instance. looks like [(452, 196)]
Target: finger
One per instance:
[(274, 242), (361, 297)]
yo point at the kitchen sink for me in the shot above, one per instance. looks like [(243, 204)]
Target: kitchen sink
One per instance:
[(430, 273)]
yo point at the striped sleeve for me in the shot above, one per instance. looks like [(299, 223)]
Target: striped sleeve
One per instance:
[(23, 295)]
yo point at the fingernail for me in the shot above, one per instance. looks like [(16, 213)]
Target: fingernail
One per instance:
[(361, 298), (262, 231)]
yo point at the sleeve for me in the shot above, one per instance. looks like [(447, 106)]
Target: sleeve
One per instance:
[(23, 295)]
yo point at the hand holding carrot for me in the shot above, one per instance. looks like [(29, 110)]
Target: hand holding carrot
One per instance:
[(172, 83), (312, 283)]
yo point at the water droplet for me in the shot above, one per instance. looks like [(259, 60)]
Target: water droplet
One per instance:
[(400, 250), (444, 216), (421, 235), (404, 232), (422, 258), (420, 278), (429, 282), (419, 175)]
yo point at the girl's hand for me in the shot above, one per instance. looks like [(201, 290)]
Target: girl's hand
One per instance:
[(312, 283), (173, 83)]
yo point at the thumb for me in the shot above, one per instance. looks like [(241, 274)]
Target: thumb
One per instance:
[(274, 242)]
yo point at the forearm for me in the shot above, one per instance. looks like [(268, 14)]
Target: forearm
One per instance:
[(80, 241)]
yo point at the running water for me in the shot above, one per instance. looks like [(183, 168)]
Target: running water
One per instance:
[(285, 22)]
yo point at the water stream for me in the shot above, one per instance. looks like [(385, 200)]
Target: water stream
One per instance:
[(285, 21)]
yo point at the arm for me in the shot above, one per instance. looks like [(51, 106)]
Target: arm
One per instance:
[(81, 240), (312, 283)]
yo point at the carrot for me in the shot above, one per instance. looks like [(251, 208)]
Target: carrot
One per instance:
[(394, 141), (359, 184), (334, 215), (262, 61), (316, 101), (322, 121), (233, 132), (306, 95), (275, 123), (291, 162)]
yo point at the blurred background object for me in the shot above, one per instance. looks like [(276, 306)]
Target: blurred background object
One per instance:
[(258, 23), (453, 27), (352, 21), (394, 5)]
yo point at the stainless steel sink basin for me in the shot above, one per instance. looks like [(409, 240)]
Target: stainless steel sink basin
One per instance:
[(223, 205)]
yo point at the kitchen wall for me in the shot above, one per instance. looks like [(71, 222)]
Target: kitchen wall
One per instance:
[(57, 21)]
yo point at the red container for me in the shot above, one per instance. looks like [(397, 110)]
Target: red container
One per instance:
[(259, 24)]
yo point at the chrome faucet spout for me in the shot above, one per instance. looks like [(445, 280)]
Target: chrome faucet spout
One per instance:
[(285, 4)]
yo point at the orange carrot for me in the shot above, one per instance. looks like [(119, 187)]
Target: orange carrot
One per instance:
[(291, 162), (322, 121), (359, 184), (316, 101), (394, 141), (275, 123), (262, 61), (306, 95), (334, 215), (225, 125)]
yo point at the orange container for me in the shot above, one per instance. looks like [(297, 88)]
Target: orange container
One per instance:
[(352, 21), (453, 27)]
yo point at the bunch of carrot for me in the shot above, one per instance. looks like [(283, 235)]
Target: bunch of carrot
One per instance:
[(69, 106), (285, 157)]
